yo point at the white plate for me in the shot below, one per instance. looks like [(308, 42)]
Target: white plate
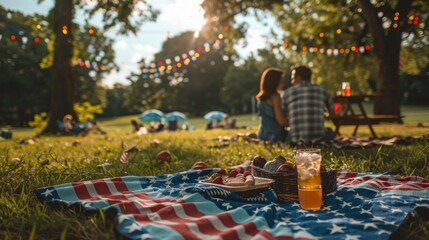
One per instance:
[(259, 183)]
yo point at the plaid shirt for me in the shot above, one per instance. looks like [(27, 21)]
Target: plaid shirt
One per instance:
[(304, 105)]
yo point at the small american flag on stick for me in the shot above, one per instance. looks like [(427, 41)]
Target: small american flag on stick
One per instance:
[(124, 155)]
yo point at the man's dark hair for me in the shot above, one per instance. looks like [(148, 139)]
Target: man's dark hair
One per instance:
[(303, 71)]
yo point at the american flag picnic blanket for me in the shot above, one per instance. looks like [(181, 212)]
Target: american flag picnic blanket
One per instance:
[(177, 206), (339, 142)]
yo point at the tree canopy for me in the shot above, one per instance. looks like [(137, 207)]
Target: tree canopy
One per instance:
[(128, 15), (27, 57), (374, 28), (21, 78)]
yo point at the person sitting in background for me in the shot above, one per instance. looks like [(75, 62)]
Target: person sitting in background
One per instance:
[(172, 125), (91, 124), (215, 123), (160, 127), (304, 104), (6, 133), (233, 124), (226, 122), (156, 127), (67, 123), (209, 125), (70, 126), (229, 124), (135, 126), (140, 129), (185, 126), (272, 120)]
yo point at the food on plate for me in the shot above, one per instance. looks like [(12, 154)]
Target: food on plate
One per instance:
[(218, 180), (249, 180), (234, 178), (239, 169), (239, 180), (233, 173), (246, 165), (220, 173)]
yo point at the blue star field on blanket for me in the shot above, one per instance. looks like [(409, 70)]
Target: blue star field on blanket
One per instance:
[(177, 206)]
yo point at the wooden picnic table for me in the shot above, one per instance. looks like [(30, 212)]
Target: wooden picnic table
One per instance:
[(347, 116)]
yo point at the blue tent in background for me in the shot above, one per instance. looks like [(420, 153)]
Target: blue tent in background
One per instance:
[(152, 115), (215, 115), (175, 116)]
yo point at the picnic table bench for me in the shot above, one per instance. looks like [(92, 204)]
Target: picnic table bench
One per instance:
[(346, 116)]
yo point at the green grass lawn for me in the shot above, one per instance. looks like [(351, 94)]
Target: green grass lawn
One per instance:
[(413, 116), (62, 159)]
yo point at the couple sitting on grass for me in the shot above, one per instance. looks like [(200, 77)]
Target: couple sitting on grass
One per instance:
[(296, 116)]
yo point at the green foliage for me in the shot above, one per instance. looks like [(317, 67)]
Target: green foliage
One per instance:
[(39, 123), (95, 48), (48, 60), (381, 25), (24, 86), (241, 83), (240, 86), (115, 98), (415, 87), (87, 111), (413, 60), (127, 15), (26, 72)]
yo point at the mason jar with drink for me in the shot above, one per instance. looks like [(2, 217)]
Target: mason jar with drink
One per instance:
[(309, 181), (346, 88)]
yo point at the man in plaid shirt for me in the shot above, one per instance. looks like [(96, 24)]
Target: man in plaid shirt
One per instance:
[(304, 105)]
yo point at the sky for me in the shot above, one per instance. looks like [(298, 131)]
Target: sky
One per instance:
[(176, 16)]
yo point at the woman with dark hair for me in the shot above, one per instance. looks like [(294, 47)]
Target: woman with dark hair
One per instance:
[(272, 120)]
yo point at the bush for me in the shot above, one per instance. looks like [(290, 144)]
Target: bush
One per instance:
[(40, 122)]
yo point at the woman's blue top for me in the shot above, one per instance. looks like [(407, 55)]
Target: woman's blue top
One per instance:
[(269, 129)]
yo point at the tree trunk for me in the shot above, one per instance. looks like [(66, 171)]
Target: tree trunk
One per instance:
[(387, 45), (388, 95), (63, 84)]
